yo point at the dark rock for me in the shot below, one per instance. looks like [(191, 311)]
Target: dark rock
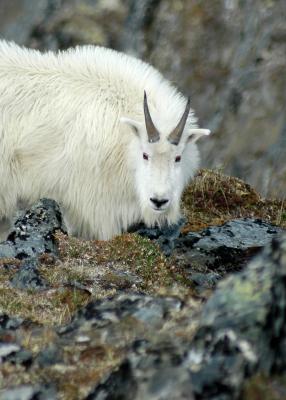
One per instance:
[(119, 385), (6, 349), (33, 235), (33, 232), (13, 353), (164, 236), (149, 372), (9, 323), (27, 277), (204, 280), (241, 332), (242, 328), (28, 392), (224, 248), (22, 357), (149, 310), (49, 356)]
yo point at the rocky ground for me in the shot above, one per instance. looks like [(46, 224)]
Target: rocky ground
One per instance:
[(187, 312)]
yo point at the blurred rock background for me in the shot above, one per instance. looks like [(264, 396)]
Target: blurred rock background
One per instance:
[(229, 55)]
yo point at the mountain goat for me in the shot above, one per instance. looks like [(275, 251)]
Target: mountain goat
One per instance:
[(77, 127)]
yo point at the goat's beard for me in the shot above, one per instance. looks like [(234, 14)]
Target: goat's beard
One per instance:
[(153, 218)]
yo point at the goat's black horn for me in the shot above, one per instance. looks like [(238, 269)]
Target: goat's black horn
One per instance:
[(153, 134), (176, 134)]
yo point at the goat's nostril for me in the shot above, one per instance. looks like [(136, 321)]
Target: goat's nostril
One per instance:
[(164, 201), (158, 203)]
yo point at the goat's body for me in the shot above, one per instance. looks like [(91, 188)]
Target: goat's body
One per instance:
[(61, 137)]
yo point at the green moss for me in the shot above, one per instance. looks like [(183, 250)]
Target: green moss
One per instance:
[(130, 252), (283, 217)]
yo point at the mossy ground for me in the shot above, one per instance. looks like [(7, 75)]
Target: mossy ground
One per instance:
[(98, 268), (89, 270), (211, 199)]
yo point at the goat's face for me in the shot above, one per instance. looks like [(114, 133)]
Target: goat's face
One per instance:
[(160, 175), (162, 165)]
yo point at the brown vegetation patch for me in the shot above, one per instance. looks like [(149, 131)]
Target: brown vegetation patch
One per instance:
[(214, 198)]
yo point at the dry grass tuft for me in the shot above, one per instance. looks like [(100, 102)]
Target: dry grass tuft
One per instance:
[(214, 198)]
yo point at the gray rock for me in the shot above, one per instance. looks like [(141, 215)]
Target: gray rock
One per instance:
[(241, 332), (149, 372), (27, 277), (19, 17), (22, 357), (242, 328), (8, 348), (33, 235), (165, 236), (9, 323), (13, 353), (138, 31), (204, 280), (28, 392), (33, 232), (224, 248), (7, 250), (49, 356), (148, 310)]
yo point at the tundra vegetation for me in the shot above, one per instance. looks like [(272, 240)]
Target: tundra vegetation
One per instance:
[(94, 270)]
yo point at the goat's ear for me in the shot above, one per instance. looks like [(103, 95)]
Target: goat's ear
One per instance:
[(134, 125), (195, 134)]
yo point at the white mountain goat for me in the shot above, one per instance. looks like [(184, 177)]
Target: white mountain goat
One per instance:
[(76, 127)]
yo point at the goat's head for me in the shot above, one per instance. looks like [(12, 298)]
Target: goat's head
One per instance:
[(163, 163)]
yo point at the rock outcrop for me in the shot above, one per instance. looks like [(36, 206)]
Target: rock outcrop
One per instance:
[(138, 328)]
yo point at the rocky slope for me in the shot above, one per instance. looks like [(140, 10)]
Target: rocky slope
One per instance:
[(173, 313)]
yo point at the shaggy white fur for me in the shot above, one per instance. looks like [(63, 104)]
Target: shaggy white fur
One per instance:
[(72, 129)]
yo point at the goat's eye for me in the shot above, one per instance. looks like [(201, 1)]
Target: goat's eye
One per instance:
[(145, 156), (178, 159)]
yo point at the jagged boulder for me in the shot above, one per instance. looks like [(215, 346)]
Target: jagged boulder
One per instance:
[(242, 328), (31, 237), (241, 332)]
